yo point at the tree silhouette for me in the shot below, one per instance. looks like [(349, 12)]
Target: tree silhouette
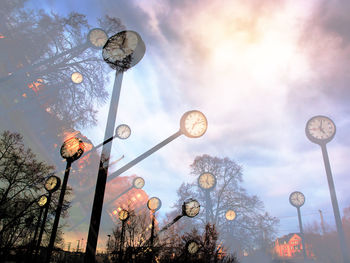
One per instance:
[(34, 71), (22, 178), (209, 249), (252, 228), (137, 232), (323, 240)]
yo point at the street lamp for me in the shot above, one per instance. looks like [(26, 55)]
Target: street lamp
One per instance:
[(52, 184), (71, 150), (121, 52), (154, 205), (297, 199), (42, 202), (207, 182), (123, 216), (230, 216), (193, 124), (190, 208), (122, 131), (321, 130)]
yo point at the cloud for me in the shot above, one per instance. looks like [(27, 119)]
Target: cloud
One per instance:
[(255, 70), (325, 42), (258, 70)]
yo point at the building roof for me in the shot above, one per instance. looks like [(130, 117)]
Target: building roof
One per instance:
[(286, 238)]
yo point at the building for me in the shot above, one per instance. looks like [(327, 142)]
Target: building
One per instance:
[(290, 246)]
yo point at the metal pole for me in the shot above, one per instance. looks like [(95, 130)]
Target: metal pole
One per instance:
[(143, 156), (122, 242), (301, 233), (35, 234), (102, 173), (58, 212), (102, 143), (152, 230), (152, 237), (37, 248), (341, 235)]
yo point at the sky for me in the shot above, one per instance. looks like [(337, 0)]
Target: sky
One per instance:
[(258, 70)]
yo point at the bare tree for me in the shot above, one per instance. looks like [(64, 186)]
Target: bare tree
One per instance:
[(137, 232), (252, 228), (40, 51), (22, 179), (208, 248), (323, 240)]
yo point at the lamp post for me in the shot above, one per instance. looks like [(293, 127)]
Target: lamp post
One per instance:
[(71, 150), (42, 202), (230, 216), (51, 185), (122, 51), (193, 124), (190, 208), (122, 132), (207, 181), (123, 216), (153, 204), (321, 130), (297, 199)]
